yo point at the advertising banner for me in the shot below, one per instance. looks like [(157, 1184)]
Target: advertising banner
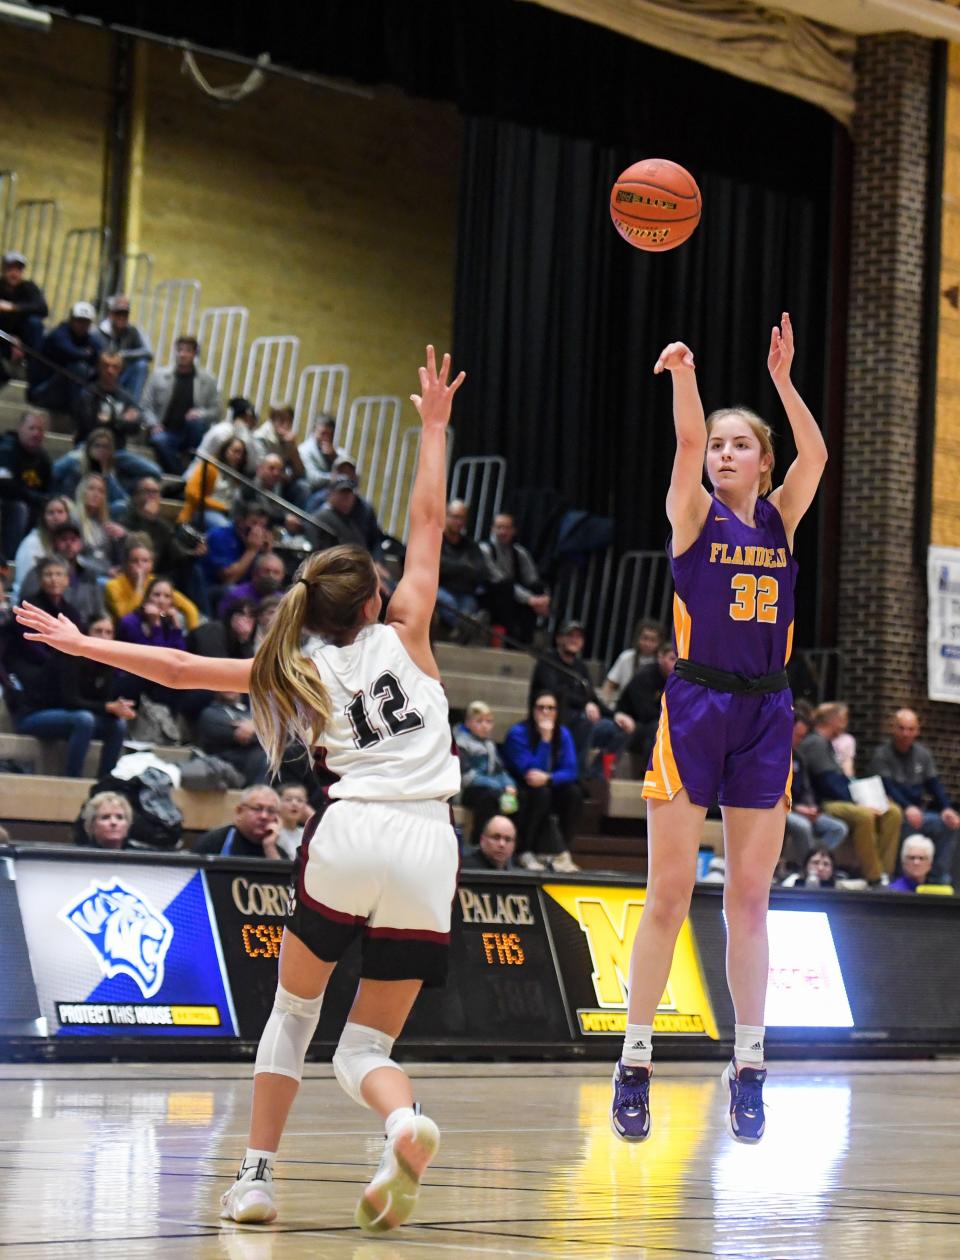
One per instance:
[(593, 928), (19, 1008), (124, 949), (943, 624), (805, 988)]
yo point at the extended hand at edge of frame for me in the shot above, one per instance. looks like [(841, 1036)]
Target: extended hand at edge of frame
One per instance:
[(435, 399)]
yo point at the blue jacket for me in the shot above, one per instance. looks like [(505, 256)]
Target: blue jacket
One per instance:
[(520, 756), (78, 357)]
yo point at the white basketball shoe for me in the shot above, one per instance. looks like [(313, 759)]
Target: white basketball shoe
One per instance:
[(391, 1196), (249, 1201)]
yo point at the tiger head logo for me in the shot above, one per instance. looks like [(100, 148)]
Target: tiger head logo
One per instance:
[(128, 936)]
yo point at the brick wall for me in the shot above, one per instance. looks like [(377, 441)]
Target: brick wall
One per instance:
[(882, 596)]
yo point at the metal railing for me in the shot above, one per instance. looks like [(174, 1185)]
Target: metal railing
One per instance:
[(491, 473), (271, 372), (79, 268), (323, 388), (580, 594), (824, 666), (395, 516), (32, 228), (371, 437), (173, 313), (223, 338), (8, 192), (131, 274), (643, 588)]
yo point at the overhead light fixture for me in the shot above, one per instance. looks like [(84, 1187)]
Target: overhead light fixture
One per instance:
[(22, 13)]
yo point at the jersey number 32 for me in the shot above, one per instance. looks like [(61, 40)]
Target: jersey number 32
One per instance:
[(756, 598), (395, 712)]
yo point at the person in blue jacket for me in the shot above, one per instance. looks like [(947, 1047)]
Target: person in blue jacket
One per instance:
[(542, 759)]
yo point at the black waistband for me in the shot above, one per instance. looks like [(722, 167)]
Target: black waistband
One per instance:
[(723, 680)]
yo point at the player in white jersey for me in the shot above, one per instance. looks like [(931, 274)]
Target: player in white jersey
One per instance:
[(381, 859)]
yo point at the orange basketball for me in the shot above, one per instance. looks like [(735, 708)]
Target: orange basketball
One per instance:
[(655, 205)]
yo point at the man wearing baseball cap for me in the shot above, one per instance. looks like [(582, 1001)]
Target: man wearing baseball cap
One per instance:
[(23, 309), (72, 346), (129, 342)]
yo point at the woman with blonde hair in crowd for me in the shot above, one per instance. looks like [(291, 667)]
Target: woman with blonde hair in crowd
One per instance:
[(381, 860), (96, 455), (210, 489), (125, 593), (102, 537)]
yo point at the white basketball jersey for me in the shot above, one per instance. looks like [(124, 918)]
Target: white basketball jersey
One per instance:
[(388, 738)]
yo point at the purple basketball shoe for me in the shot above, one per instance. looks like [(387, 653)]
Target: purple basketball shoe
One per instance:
[(630, 1109), (745, 1116)]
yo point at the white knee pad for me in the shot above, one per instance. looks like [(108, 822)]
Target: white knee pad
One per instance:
[(359, 1052), (288, 1034)]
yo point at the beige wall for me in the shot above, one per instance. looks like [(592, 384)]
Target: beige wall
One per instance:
[(330, 216), (945, 523)]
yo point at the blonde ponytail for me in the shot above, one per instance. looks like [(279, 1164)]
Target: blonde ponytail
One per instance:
[(287, 695)]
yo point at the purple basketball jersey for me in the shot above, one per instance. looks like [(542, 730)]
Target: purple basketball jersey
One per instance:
[(734, 605)]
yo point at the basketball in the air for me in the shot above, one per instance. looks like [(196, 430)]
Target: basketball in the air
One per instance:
[(655, 205)]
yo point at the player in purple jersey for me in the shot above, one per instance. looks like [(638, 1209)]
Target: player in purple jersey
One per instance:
[(726, 715)]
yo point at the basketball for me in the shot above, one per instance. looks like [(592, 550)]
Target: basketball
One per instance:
[(655, 205)]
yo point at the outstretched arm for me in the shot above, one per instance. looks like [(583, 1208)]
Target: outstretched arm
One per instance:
[(167, 666), (412, 604), (687, 500), (800, 484)]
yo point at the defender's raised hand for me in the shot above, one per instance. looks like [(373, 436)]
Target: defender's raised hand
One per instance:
[(436, 397), (780, 358), (674, 358), (56, 632)]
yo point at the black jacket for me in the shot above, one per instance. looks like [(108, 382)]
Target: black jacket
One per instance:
[(30, 472), (573, 693), (28, 299), (214, 841), (35, 664)]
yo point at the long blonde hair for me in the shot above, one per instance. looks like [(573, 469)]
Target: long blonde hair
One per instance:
[(286, 694), (761, 430), (91, 524)]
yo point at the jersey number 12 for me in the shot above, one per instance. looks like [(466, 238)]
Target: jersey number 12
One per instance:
[(395, 712)]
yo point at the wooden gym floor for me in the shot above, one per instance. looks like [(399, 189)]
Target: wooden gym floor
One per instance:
[(126, 1162)]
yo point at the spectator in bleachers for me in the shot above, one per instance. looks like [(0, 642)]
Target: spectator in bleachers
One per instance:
[(486, 787), (102, 537), (39, 542), (254, 830), (640, 701), (231, 634), (157, 622), (348, 519), (319, 455), (113, 409), (267, 577), (295, 811), (240, 422), (517, 599), (6, 606), (125, 592), (271, 476), (23, 308), (179, 552), (125, 339), (106, 819), (225, 729), (875, 835), (83, 591), (179, 404), (495, 847), (540, 755), (817, 870), (596, 731), (39, 707), (916, 861), (72, 346), (86, 684), (845, 745), (910, 779), (647, 637), (266, 611), (97, 454), (25, 477), (216, 491), (232, 548), (277, 437), (464, 574), (806, 823)]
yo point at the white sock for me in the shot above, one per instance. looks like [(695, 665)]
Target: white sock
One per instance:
[(638, 1045), (748, 1045), (253, 1158), (397, 1117)]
